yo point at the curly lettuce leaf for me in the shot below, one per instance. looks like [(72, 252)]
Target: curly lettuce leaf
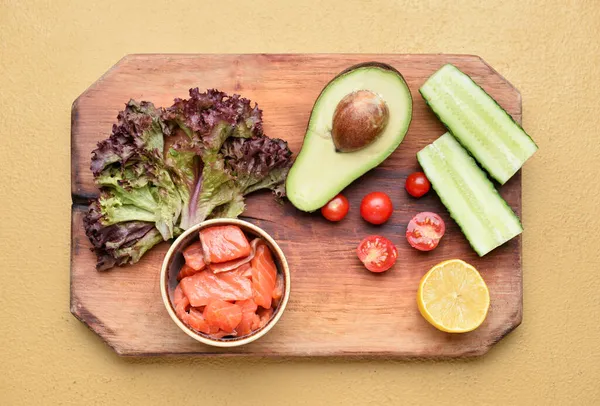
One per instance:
[(202, 186), (129, 168), (142, 204), (231, 209), (164, 170), (120, 243), (258, 163), (218, 187), (139, 132), (254, 163), (208, 119)]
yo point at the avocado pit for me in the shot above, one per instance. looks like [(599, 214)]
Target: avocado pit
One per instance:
[(358, 119)]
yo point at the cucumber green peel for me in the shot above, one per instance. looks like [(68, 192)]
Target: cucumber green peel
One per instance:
[(472, 200), (484, 128)]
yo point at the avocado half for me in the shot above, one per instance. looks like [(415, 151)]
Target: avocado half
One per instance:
[(320, 171)]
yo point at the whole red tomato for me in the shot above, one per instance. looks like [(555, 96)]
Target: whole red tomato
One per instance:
[(376, 208), (336, 209), (417, 184)]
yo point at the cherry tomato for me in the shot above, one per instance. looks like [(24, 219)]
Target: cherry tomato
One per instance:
[(376, 208), (336, 209), (425, 230), (377, 253), (417, 184)]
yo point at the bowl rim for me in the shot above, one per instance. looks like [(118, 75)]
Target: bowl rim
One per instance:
[(164, 288)]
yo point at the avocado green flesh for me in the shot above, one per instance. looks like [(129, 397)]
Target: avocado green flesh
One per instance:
[(472, 200), (489, 133), (319, 172)]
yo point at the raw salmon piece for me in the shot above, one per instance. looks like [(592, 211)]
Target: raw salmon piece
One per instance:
[(278, 291), (194, 256), (223, 243), (249, 316), (244, 271), (178, 295), (265, 315), (222, 314), (195, 320), (186, 271), (256, 322), (236, 263), (181, 308), (204, 286), (247, 305), (219, 334), (264, 275), (229, 265)]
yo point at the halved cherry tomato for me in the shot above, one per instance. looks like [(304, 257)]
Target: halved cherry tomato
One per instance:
[(377, 253), (376, 208), (336, 209), (417, 184), (425, 230)]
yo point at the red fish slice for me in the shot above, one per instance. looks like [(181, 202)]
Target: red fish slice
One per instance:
[(255, 322), (265, 315), (219, 334), (195, 319), (178, 295), (236, 263), (186, 271), (194, 256), (264, 275), (182, 307), (224, 315), (204, 286), (278, 291), (223, 243), (249, 317), (245, 271)]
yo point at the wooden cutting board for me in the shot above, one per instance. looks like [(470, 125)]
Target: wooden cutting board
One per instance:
[(336, 308)]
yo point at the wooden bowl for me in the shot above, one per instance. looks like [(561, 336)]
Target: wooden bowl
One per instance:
[(174, 260)]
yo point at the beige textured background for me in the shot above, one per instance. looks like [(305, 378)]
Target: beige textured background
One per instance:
[(50, 51)]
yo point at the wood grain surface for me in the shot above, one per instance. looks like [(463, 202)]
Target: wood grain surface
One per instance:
[(336, 307)]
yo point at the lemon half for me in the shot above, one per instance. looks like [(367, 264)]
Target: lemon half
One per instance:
[(453, 297)]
